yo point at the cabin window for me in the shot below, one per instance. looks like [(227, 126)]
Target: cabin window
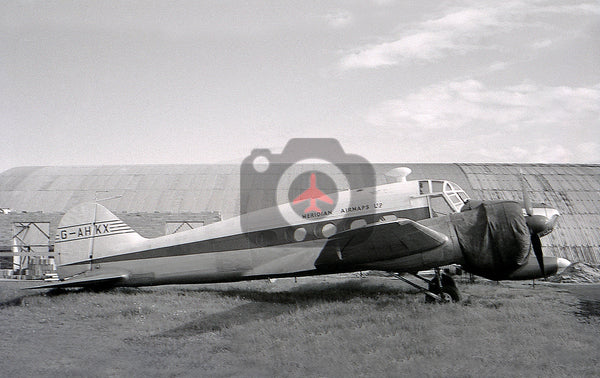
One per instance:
[(358, 223), (266, 238), (300, 234), (328, 230)]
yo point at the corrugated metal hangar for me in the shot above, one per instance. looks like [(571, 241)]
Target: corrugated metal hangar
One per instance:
[(155, 199)]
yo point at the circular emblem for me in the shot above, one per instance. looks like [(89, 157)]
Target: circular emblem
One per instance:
[(312, 188)]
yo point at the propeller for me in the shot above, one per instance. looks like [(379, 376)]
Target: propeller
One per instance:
[(540, 220), (537, 249), (526, 200), (536, 224)]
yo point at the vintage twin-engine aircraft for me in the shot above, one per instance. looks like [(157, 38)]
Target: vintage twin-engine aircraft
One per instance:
[(412, 226)]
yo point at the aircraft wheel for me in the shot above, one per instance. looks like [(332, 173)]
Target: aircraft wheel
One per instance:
[(449, 287), (450, 294)]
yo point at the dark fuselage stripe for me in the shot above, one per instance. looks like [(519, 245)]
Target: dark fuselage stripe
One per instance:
[(257, 239)]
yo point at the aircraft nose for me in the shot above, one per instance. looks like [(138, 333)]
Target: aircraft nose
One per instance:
[(562, 264), (542, 221), (550, 223)]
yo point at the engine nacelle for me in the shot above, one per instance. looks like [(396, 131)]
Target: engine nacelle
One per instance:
[(495, 241), (531, 269)]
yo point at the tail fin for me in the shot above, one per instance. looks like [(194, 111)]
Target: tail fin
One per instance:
[(89, 231)]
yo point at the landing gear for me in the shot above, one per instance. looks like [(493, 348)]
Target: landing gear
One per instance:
[(444, 286), (441, 288)]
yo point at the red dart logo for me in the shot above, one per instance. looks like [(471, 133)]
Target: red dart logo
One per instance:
[(313, 194)]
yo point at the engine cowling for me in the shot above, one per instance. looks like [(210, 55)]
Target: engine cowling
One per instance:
[(496, 242), (531, 269)]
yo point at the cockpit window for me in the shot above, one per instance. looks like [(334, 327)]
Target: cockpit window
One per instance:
[(439, 206), (455, 198), (440, 191)]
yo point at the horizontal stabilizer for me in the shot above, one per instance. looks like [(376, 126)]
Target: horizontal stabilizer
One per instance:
[(88, 280)]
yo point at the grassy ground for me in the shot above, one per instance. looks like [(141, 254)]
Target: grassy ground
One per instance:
[(317, 327)]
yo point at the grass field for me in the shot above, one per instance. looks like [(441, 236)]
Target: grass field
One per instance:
[(323, 326)]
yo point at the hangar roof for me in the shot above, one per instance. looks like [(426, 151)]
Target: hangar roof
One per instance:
[(574, 189), (196, 188), (149, 188)]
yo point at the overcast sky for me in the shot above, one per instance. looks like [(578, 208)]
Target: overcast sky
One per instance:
[(143, 82)]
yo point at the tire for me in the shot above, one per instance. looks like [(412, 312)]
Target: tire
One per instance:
[(452, 292), (449, 291)]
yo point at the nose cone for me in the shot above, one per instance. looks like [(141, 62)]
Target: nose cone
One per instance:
[(550, 223), (562, 264), (542, 220)]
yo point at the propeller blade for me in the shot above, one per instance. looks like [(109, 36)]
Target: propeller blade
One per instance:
[(526, 199), (537, 249)]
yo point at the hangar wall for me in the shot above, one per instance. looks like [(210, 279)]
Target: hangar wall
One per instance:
[(572, 189), (149, 225), (156, 190)]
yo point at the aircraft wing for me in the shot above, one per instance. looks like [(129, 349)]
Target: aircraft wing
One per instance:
[(378, 242), (102, 279)]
